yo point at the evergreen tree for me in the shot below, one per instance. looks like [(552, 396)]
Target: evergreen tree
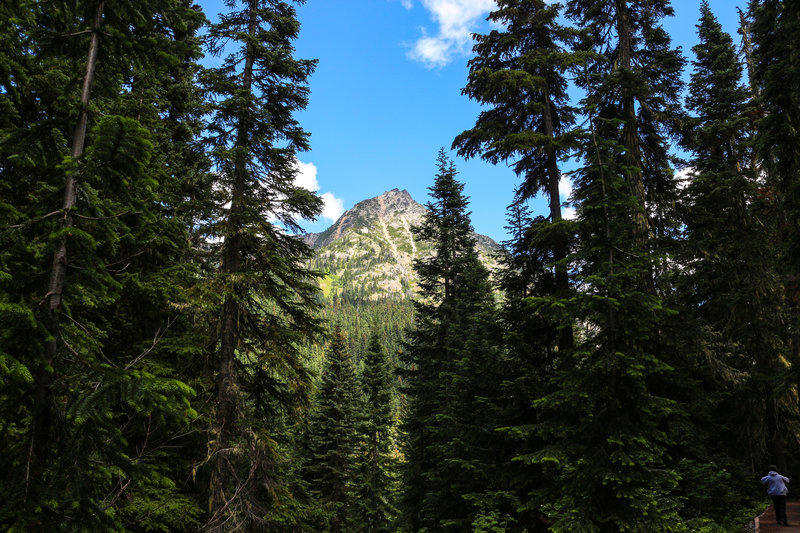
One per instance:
[(76, 164), (333, 442), (446, 392), (777, 81), (730, 282), (775, 26), (603, 415), (530, 353), (601, 422), (379, 471), (633, 83), (520, 72), (726, 281), (267, 297), (159, 297)]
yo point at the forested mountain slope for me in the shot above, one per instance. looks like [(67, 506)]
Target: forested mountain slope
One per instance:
[(367, 257)]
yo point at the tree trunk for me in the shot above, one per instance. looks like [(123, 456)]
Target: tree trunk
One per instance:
[(775, 440), (227, 386), (42, 394), (566, 338), (747, 48), (632, 158)]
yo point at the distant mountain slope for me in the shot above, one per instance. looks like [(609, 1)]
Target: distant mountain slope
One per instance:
[(368, 253)]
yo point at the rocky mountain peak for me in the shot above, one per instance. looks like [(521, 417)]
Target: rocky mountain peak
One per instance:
[(369, 252), (398, 200), (389, 205)]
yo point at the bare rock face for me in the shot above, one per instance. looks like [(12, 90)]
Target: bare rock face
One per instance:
[(368, 253), (394, 204)]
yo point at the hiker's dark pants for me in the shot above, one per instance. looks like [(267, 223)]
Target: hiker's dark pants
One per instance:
[(780, 508)]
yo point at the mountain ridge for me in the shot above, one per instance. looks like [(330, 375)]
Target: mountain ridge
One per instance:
[(393, 200), (368, 252)]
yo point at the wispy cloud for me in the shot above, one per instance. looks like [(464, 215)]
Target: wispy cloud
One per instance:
[(306, 177), (456, 20)]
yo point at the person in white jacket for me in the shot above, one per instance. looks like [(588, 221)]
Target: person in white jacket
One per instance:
[(777, 490)]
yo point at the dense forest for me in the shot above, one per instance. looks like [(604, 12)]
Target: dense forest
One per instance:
[(168, 361)]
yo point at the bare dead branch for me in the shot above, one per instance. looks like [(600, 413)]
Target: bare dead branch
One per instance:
[(101, 218), (33, 221), (159, 334)]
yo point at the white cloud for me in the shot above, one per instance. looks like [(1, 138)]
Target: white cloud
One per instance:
[(306, 177), (565, 188), (408, 4), (456, 20), (565, 196), (431, 51), (333, 208)]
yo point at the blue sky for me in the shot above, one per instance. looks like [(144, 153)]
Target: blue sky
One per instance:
[(386, 96)]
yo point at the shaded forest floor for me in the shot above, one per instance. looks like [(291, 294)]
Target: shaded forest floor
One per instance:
[(765, 522)]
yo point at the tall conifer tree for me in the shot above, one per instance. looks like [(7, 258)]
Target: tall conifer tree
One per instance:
[(82, 194), (530, 353), (730, 262), (157, 313), (777, 78), (633, 83), (445, 466), (267, 295), (520, 71), (379, 468), (603, 416), (334, 442), (602, 425)]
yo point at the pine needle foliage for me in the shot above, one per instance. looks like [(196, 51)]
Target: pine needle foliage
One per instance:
[(776, 78), (730, 283), (602, 416), (520, 72), (601, 424)]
